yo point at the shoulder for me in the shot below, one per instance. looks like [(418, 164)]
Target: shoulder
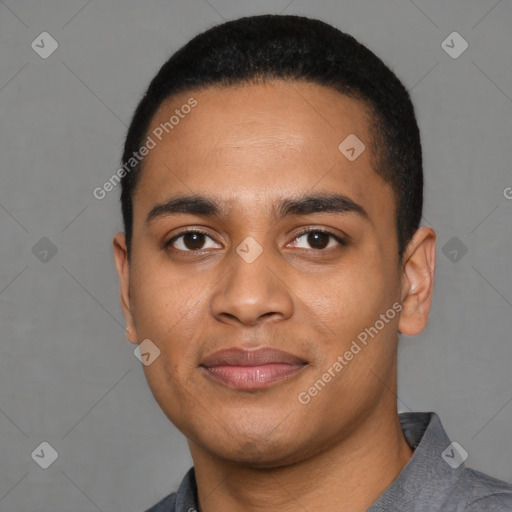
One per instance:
[(167, 504), (485, 492)]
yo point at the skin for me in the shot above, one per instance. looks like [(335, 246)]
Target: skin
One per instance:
[(251, 146)]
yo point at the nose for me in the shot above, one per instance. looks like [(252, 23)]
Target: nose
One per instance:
[(254, 290)]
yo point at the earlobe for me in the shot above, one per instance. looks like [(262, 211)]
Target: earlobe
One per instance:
[(418, 271), (123, 272)]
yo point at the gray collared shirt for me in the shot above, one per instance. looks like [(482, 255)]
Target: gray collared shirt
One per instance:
[(434, 480)]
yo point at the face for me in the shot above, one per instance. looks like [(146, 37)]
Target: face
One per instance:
[(290, 246)]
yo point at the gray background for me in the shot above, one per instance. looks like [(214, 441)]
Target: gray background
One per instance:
[(69, 377)]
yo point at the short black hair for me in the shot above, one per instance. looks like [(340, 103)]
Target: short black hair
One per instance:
[(287, 47)]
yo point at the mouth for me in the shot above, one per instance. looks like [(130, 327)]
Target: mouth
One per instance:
[(251, 369)]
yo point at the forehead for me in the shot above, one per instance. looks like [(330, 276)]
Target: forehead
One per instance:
[(254, 143)]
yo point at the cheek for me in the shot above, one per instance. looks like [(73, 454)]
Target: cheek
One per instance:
[(165, 305), (172, 309), (349, 297), (158, 293)]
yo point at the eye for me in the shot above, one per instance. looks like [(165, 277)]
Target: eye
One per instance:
[(189, 241), (195, 240), (320, 239)]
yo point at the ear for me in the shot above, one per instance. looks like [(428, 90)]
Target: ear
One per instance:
[(123, 271), (418, 269)]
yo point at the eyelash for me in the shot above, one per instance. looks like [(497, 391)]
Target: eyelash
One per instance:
[(338, 239)]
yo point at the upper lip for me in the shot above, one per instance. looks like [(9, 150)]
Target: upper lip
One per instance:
[(237, 356)]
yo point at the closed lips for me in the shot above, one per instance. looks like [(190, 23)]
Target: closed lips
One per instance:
[(240, 357), (251, 369)]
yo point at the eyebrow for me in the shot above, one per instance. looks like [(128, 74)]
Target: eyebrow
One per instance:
[(303, 205)]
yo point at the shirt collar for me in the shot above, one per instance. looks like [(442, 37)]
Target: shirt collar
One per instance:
[(186, 497), (426, 473)]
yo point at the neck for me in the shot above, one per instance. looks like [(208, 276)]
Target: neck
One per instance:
[(350, 474)]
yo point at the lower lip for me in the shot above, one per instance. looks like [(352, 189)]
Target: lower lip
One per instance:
[(253, 377)]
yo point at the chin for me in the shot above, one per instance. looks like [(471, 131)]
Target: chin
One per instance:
[(259, 449)]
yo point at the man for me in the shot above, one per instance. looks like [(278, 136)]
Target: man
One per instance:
[(272, 194)]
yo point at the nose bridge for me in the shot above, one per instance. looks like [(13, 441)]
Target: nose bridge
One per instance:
[(251, 288), (251, 261)]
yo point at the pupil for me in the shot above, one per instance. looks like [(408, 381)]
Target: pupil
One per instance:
[(195, 239), (315, 239)]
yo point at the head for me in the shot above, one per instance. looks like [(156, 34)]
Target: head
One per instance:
[(294, 153)]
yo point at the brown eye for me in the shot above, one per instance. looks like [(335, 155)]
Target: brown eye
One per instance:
[(319, 240), (190, 241), (193, 241)]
